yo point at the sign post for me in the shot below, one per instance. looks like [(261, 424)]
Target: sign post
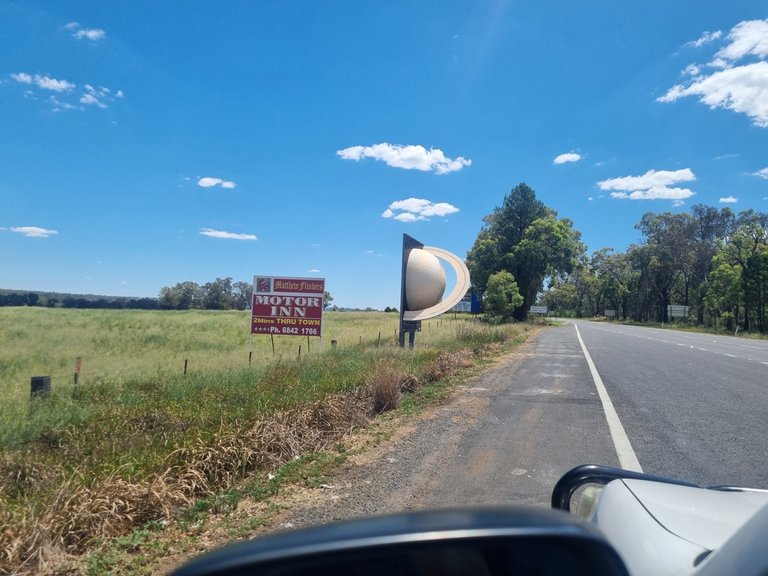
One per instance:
[(287, 306), (422, 284), (677, 311)]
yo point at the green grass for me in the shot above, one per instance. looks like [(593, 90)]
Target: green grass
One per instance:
[(129, 357), (120, 344)]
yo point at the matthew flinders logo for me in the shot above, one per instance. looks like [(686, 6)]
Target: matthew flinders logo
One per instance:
[(263, 284)]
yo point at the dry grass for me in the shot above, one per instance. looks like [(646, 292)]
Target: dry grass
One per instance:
[(449, 364), (384, 384), (77, 515)]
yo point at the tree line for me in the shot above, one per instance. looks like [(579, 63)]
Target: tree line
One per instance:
[(58, 300), (220, 294), (714, 261)]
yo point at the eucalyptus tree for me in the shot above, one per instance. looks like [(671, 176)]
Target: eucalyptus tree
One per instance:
[(613, 274), (502, 231), (525, 238)]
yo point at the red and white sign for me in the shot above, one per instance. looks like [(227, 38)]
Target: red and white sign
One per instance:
[(287, 306)]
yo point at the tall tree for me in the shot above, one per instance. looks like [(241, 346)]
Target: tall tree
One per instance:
[(502, 231), (722, 293), (523, 237), (613, 275), (669, 248), (182, 296), (218, 294), (327, 299), (548, 247), (754, 279), (242, 293)]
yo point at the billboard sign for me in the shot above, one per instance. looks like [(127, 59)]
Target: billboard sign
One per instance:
[(287, 306), (677, 311)]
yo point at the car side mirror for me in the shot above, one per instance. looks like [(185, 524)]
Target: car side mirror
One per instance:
[(478, 541)]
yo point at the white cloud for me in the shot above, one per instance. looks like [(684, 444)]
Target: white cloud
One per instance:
[(208, 182), (706, 38), (411, 157), (648, 180), (748, 38), (34, 231), (22, 77), (567, 157), (653, 185), (655, 193), (413, 209), (59, 105), (90, 96), (96, 96), (735, 84), (92, 34), (743, 89), (47, 83), (43, 82), (228, 235), (91, 100), (729, 200), (762, 173)]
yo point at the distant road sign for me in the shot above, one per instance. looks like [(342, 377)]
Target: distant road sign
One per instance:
[(610, 313), (538, 310), (677, 311)]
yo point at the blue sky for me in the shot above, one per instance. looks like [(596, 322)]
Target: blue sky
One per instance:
[(145, 143)]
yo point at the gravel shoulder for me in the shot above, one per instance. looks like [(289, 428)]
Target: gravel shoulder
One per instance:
[(408, 470)]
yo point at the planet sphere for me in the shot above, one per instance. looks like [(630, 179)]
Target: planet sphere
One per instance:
[(424, 280)]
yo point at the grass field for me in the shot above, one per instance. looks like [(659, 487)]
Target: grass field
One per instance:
[(139, 441), (122, 343)]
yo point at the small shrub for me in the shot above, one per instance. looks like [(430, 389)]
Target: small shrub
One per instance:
[(384, 384)]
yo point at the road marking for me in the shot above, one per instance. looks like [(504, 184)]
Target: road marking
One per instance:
[(624, 451), (730, 355)]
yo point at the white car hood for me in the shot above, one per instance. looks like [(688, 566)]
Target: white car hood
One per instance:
[(704, 517), (662, 529)]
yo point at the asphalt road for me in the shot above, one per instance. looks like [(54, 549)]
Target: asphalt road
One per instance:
[(694, 406)]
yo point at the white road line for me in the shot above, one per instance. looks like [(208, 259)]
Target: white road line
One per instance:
[(624, 450), (730, 355)]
